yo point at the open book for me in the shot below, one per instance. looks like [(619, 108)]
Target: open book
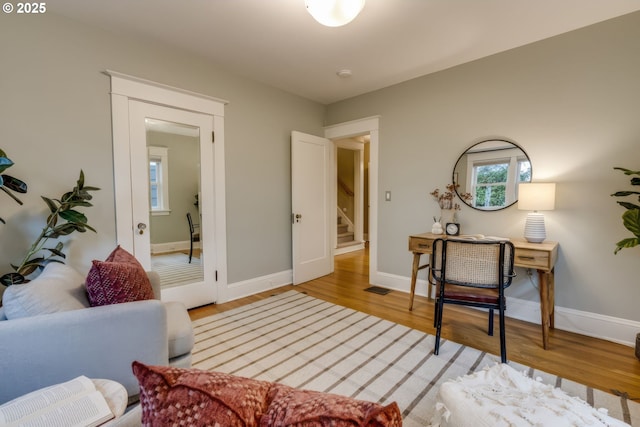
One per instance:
[(481, 237), (70, 404)]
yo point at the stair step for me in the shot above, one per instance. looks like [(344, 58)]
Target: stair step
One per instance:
[(343, 228), (345, 237)]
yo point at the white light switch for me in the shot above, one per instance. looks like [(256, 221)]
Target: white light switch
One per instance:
[(387, 196)]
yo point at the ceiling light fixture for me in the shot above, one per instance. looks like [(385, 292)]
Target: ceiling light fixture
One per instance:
[(344, 74), (334, 13)]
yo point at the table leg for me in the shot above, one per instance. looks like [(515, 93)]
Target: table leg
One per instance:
[(552, 298), (414, 276), (547, 303)]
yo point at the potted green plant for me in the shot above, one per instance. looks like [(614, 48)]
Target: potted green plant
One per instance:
[(63, 219), (631, 216)]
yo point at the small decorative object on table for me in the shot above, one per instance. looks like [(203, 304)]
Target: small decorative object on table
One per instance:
[(436, 228), (452, 229)]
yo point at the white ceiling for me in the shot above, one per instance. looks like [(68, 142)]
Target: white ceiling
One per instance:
[(277, 42)]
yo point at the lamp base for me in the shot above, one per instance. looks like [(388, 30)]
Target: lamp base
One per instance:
[(534, 230)]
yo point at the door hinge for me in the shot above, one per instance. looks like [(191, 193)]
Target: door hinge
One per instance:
[(213, 137)]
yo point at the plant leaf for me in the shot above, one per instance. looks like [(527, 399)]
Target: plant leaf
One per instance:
[(50, 203), (629, 205), (12, 279), (74, 217), (30, 266), (81, 179), (624, 193), (14, 184), (56, 252), (626, 243), (631, 220), (627, 171), (5, 163)]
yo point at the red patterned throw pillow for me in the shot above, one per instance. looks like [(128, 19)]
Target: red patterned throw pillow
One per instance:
[(120, 278), (173, 396), (292, 407)]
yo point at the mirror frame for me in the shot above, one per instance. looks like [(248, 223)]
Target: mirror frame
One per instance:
[(470, 148)]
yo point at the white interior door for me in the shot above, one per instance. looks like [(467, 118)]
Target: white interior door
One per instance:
[(313, 206), (198, 287)]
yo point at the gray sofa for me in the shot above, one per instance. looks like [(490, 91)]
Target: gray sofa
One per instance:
[(53, 335)]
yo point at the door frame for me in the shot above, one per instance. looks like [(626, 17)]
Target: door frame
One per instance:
[(358, 178), (125, 88), (367, 125)]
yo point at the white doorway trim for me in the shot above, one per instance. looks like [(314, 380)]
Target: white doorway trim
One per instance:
[(125, 88), (357, 224), (368, 125)]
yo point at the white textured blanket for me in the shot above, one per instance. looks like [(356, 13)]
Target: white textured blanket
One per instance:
[(501, 396)]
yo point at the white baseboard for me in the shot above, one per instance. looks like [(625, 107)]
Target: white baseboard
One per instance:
[(245, 288), (163, 248), (621, 331), (347, 249)]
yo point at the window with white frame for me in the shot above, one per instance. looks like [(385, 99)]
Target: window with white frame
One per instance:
[(494, 176), (159, 180)]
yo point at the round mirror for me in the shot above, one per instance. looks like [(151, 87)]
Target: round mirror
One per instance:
[(490, 171)]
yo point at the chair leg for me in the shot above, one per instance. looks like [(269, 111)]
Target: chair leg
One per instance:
[(439, 309), (503, 338), (490, 330), (435, 313), (190, 250)]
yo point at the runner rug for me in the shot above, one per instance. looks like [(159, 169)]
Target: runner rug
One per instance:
[(308, 343)]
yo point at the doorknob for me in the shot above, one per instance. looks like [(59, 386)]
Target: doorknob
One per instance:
[(141, 227)]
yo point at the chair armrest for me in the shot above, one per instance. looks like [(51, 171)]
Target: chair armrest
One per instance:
[(99, 342)]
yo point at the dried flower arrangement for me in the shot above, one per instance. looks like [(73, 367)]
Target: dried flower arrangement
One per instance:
[(446, 198)]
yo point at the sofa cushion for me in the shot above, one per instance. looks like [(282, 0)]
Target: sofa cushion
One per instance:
[(118, 279), (58, 288), (179, 329), (292, 407), (174, 396)]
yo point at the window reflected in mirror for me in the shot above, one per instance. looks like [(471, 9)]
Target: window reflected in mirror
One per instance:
[(491, 171)]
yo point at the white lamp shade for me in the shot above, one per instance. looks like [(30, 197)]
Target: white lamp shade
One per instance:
[(537, 196), (334, 13)]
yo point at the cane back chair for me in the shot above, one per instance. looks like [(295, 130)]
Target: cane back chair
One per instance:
[(472, 273)]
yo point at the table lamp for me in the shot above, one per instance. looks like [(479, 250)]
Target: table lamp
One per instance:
[(536, 196)]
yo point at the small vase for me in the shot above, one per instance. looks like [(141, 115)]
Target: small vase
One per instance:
[(446, 216)]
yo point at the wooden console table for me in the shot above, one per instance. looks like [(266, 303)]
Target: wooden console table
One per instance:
[(540, 256)]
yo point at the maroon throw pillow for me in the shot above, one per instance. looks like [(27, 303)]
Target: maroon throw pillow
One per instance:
[(292, 407), (121, 255), (174, 396), (120, 278)]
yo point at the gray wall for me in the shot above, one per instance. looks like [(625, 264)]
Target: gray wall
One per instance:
[(55, 118), (573, 103)]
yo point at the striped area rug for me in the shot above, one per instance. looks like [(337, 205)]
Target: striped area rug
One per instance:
[(308, 343), (174, 269)]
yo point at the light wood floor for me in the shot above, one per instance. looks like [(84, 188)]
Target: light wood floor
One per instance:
[(600, 364)]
